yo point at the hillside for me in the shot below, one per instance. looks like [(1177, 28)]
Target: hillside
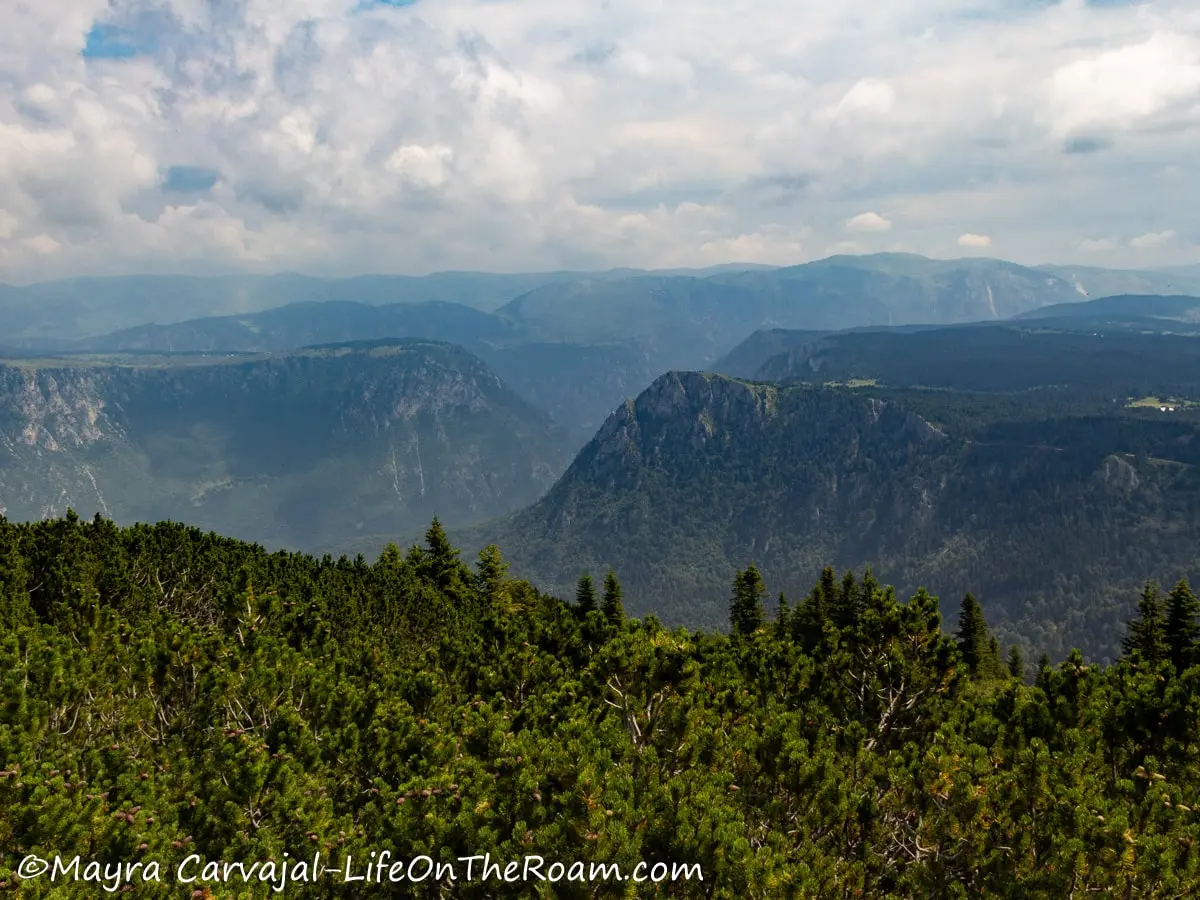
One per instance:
[(1177, 307), (1093, 281), (578, 384), (75, 308), (896, 289), (173, 699), (305, 324), (744, 360), (295, 449), (84, 307), (692, 322), (1052, 512), (1002, 357)]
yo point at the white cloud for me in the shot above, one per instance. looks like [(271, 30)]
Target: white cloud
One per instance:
[(476, 134), (42, 244), (974, 240), (869, 97), (1152, 239), (1097, 245), (1121, 86), (868, 221)]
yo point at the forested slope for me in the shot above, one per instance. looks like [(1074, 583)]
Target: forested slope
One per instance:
[(1052, 505), (167, 694)]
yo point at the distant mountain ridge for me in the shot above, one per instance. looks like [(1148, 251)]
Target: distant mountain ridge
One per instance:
[(293, 449), (877, 289), (999, 357), (1178, 307), (703, 474)]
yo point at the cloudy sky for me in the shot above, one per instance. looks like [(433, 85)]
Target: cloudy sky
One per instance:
[(343, 136)]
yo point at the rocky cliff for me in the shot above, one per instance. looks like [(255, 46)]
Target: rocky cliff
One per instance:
[(298, 448)]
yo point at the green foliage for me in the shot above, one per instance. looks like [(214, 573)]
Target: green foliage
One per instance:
[(613, 604), (585, 595), (1182, 628), (165, 692), (1147, 634), (746, 605)]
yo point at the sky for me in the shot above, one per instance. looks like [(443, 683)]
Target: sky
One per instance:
[(345, 136)]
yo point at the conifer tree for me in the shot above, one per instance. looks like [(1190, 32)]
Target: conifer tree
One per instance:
[(746, 606), (491, 569), (1016, 663), (440, 558), (612, 605), (973, 635), (782, 612), (1182, 629), (1147, 636), (1042, 679), (994, 665), (585, 594)]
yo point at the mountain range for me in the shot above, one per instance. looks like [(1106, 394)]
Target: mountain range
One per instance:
[(295, 449), (952, 422)]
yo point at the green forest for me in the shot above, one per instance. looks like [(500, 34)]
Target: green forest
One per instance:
[(168, 694)]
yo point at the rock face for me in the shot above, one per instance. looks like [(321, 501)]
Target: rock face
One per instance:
[(703, 474), (299, 449)]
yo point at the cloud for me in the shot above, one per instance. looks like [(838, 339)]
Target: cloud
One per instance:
[(1152, 239), (868, 98), (339, 136), (868, 221), (974, 240), (42, 244), (1097, 245), (1125, 85)]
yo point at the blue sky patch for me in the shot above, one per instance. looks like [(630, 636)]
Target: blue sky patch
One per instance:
[(374, 4), (112, 42), (190, 179)]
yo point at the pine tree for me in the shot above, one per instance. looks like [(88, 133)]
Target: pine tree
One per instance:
[(1147, 636), (491, 569), (612, 605), (973, 635), (585, 594), (1182, 629), (1016, 663), (1042, 679), (440, 558), (746, 606), (782, 612), (994, 665)]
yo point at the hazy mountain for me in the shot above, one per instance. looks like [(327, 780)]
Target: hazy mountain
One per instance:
[(691, 322), (578, 384), (681, 319), (744, 360), (998, 357), (86, 307), (1098, 282), (297, 449), (305, 324), (1134, 307), (1052, 515), (899, 288)]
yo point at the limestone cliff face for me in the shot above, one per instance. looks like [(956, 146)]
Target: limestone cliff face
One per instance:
[(298, 448), (53, 410)]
